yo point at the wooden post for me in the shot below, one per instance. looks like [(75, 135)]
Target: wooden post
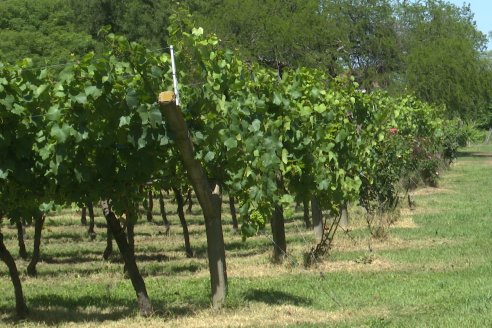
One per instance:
[(209, 200)]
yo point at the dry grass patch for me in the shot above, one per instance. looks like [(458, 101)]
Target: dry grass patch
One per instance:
[(263, 315), (430, 191), (253, 315), (389, 243), (405, 221)]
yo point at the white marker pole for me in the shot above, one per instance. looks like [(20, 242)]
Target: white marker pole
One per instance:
[(175, 79)]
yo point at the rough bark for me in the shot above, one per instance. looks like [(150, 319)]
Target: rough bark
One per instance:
[(162, 206), (278, 234), (109, 244), (91, 232), (138, 283), (150, 206), (344, 217), (38, 227), (232, 207), (209, 200), (130, 231), (180, 202), (317, 219), (189, 200), (216, 251), (83, 216), (6, 257), (305, 206), (21, 238)]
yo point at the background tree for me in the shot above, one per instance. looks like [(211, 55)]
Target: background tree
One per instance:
[(42, 30), (443, 60), (368, 43), (290, 32), (143, 21)]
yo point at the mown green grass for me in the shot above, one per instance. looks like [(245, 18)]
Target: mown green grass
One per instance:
[(434, 272)]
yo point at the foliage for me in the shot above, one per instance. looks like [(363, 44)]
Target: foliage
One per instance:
[(95, 131), (428, 48), (42, 30), (444, 64)]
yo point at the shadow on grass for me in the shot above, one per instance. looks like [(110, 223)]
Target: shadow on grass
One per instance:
[(60, 272), (153, 257), (115, 258), (235, 248), (73, 252), (170, 271), (473, 154), (55, 310), (67, 260), (192, 267), (275, 297)]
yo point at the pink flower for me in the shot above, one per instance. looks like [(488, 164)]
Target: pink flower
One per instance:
[(393, 130)]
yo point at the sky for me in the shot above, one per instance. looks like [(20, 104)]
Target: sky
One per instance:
[(483, 14)]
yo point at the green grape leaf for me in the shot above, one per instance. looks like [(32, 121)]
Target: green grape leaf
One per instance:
[(124, 120), (209, 156), (132, 98), (230, 143)]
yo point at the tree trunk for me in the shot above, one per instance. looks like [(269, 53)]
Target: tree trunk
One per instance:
[(209, 200), (83, 216), (278, 234), (216, 250), (150, 206), (129, 258), (130, 231), (92, 233), (5, 256), (189, 200), (180, 202), (317, 219), (38, 227), (109, 244), (344, 217), (162, 206), (305, 206), (21, 238), (235, 226)]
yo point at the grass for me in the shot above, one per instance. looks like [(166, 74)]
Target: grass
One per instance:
[(433, 270)]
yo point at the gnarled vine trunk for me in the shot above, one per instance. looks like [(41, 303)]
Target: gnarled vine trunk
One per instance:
[(109, 244), (6, 257), (83, 216), (21, 238), (344, 217), (278, 234), (138, 283), (162, 206), (182, 219), (232, 207), (92, 233), (189, 200), (150, 206), (38, 227), (317, 219), (305, 207)]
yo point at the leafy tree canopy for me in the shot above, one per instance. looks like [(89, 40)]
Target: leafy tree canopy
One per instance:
[(43, 30)]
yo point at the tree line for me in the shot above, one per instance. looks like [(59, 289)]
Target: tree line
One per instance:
[(431, 48)]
